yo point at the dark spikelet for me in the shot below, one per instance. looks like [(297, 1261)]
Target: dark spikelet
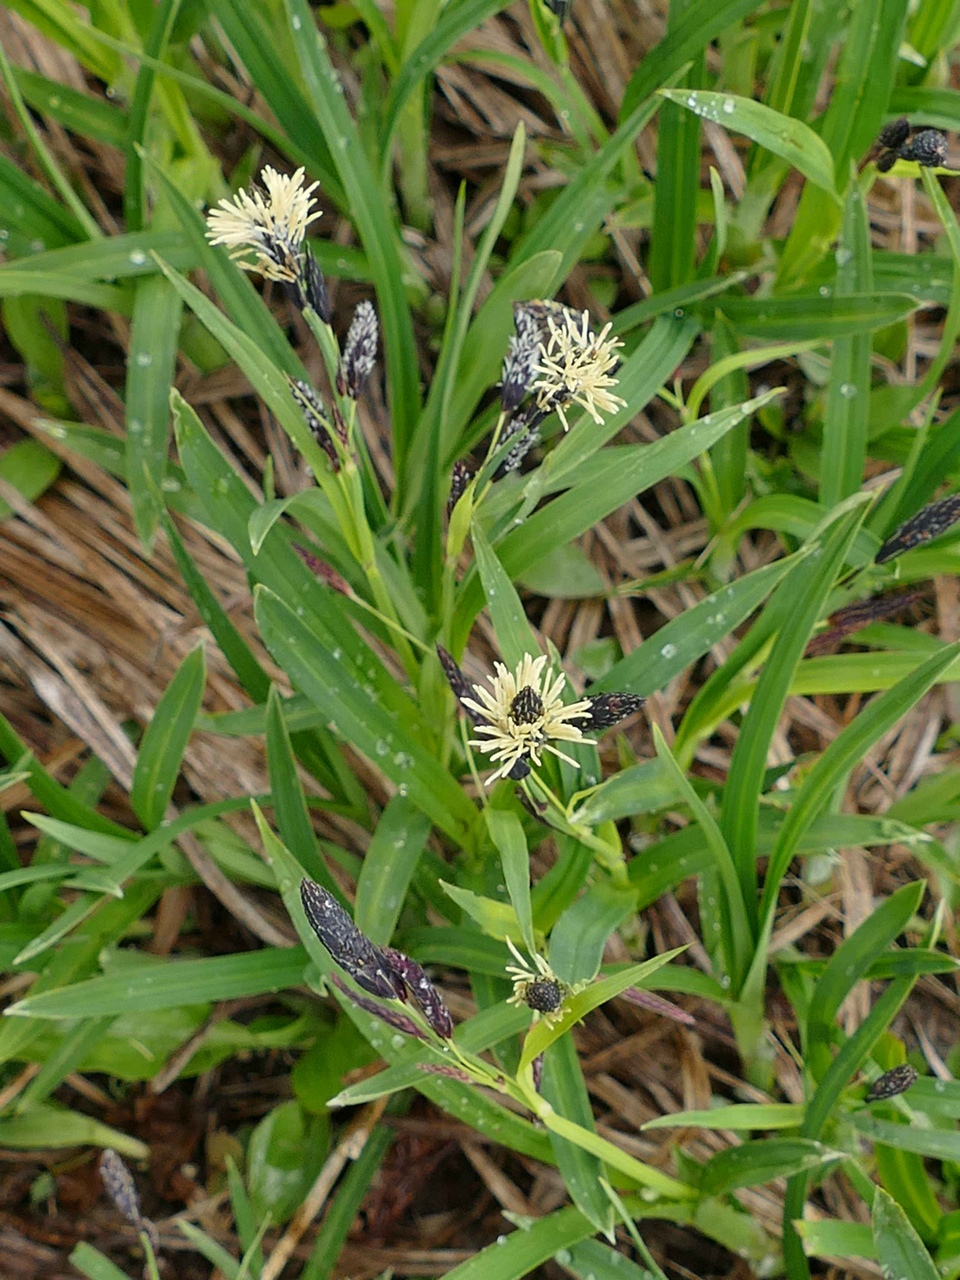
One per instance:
[(928, 147), (448, 1072), (520, 362), (314, 288), (120, 1186), (461, 686), (536, 1069), (315, 416), (523, 430), (324, 571), (607, 709), (423, 991), (392, 1017), (463, 473), (896, 1080), (886, 160), (854, 617), (895, 133), (926, 525), (359, 351), (543, 995), (657, 1004), (349, 948)]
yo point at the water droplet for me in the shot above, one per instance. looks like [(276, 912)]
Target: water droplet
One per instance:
[(58, 433), (668, 651), (336, 654), (824, 291), (144, 359), (501, 1239), (843, 256), (729, 106), (403, 789), (295, 22), (397, 1041), (169, 484), (381, 747), (848, 390), (564, 1257), (138, 258), (134, 426), (55, 102), (37, 246)]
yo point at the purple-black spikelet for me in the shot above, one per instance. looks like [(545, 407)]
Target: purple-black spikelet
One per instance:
[(607, 709), (349, 948), (895, 133), (463, 473), (461, 686), (392, 1017), (423, 991), (928, 147), (359, 351), (315, 416), (120, 1186), (313, 287)]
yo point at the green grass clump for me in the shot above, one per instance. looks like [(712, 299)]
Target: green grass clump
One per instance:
[(462, 489)]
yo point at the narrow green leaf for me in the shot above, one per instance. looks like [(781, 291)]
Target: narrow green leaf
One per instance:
[(506, 832), (524, 1250), (936, 1144), (564, 1088), (762, 1160), (801, 318), (154, 341), (514, 633), (790, 139), (94, 1265), (165, 740), (388, 868), (744, 1115), (49, 1126)]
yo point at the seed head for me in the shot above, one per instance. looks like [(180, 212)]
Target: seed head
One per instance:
[(359, 351), (423, 991), (522, 715), (270, 225), (461, 686), (896, 1080), (927, 524), (928, 147), (536, 986), (895, 133), (392, 1017), (120, 1186), (523, 429), (607, 709), (349, 948), (462, 474), (312, 288), (315, 416)]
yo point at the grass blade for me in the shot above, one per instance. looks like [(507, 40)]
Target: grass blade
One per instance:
[(161, 751)]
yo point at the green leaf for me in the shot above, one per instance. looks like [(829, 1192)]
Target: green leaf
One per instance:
[(506, 832), (516, 1255), (564, 1088), (936, 1144), (762, 1160), (165, 740), (581, 933), (566, 573), (790, 139), (284, 1156), (359, 717), (744, 1115), (388, 867), (900, 1250), (170, 984), (154, 342), (514, 633), (30, 468), (94, 1265), (54, 1127), (497, 919), (799, 319)]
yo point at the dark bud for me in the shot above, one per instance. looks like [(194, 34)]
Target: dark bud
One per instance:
[(120, 1187), (657, 1004), (523, 430), (519, 771), (926, 525), (324, 571), (461, 686), (392, 1017), (543, 995), (349, 948), (463, 473), (895, 133), (927, 148), (313, 287), (536, 1069), (607, 709), (315, 416), (527, 706), (359, 351), (896, 1080), (854, 617), (886, 160), (423, 991)]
